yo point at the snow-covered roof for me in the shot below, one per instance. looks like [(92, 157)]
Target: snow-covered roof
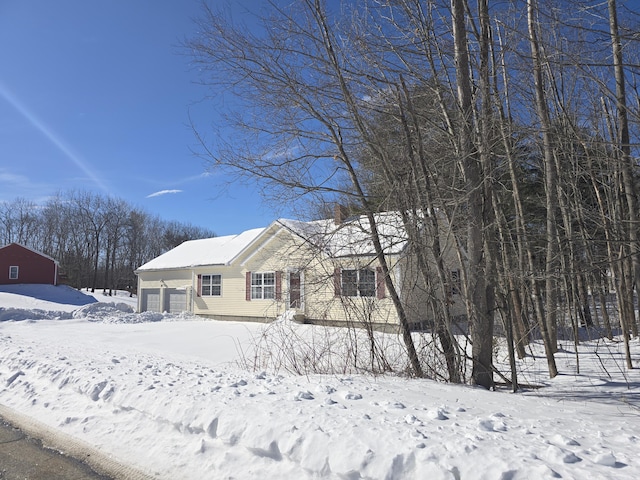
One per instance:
[(350, 238), (205, 251), (353, 236)]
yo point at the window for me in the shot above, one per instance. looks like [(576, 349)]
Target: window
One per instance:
[(456, 282), (359, 283), (13, 272), (263, 286), (350, 283), (211, 285)]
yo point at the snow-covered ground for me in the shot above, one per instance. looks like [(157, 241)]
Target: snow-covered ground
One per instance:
[(169, 396)]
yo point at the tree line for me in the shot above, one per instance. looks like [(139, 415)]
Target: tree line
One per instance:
[(98, 240), (517, 122)]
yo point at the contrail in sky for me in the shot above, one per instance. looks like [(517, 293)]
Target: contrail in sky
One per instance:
[(163, 192), (51, 136)]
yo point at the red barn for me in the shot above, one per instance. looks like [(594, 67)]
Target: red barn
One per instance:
[(19, 264)]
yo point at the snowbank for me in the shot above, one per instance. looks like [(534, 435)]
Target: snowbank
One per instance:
[(170, 398)]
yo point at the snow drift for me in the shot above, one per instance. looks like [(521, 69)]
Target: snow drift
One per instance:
[(168, 395)]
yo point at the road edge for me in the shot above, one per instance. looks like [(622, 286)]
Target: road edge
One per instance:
[(72, 447)]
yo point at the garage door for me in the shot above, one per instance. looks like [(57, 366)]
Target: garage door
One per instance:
[(151, 300), (175, 301)]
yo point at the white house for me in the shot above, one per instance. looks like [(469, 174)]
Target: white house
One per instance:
[(324, 271)]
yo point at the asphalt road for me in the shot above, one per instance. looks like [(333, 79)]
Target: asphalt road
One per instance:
[(24, 458)]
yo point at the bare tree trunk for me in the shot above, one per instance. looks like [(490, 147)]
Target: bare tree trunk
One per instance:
[(430, 231), (480, 319), (351, 104), (627, 174), (548, 326), (524, 257)]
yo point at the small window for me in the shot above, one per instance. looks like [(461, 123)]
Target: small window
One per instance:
[(359, 283), (211, 285), (263, 286), (13, 272), (456, 283), (350, 283)]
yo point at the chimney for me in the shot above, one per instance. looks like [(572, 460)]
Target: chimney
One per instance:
[(340, 213)]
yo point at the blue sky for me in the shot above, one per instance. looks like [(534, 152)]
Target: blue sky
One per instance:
[(96, 95)]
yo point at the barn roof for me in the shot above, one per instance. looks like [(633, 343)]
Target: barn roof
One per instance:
[(30, 249)]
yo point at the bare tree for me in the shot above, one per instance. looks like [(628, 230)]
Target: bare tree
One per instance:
[(487, 113), (18, 220), (626, 165), (98, 241), (548, 327), (303, 113)]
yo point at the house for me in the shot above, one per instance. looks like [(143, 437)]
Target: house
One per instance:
[(323, 271), (20, 264)]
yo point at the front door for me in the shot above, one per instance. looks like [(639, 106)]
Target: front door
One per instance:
[(295, 290)]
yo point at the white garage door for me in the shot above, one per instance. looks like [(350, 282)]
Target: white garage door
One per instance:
[(176, 301), (151, 300)]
